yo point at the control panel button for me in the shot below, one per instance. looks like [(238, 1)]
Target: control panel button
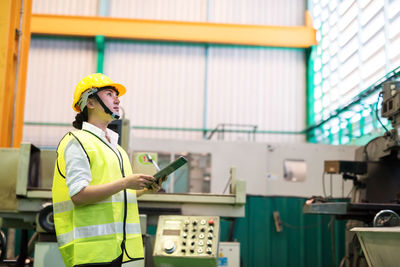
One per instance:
[(202, 229), (200, 250), (184, 235), (186, 222), (192, 243), (169, 246), (195, 222), (201, 236), (209, 243), (183, 250), (201, 243), (184, 243), (203, 222), (209, 250), (211, 229), (211, 221), (210, 236), (192, 250), (193, 236)]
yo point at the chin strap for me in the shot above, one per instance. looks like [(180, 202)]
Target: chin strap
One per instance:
[(115, 116)]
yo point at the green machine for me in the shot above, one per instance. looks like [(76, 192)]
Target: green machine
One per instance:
[(186, 241)]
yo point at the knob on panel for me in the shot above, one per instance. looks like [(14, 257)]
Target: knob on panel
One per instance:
[(169, 246)]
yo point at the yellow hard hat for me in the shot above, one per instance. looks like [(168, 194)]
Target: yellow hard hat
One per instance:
[(96, 80)]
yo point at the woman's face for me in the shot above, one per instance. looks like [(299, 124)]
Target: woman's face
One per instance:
[(110, 99)]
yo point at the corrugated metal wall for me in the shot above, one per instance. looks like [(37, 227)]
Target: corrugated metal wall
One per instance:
[(180, 10), (257, 86), (63, 7), (183, 86), (165, 85), (283, 12), (55, 67)]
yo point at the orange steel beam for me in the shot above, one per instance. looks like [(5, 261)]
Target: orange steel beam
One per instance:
[(22, 74), (14, 47), (196, 32), (9, 19)]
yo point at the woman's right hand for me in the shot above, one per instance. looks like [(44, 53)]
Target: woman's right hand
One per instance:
[(138, 181)]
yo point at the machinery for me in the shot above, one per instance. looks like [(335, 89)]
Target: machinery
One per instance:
[(26, 176), (187, 241), (375, 173)]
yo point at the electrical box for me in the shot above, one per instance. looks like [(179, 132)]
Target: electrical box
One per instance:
[(343, 166), (186, 241), (229, 254)]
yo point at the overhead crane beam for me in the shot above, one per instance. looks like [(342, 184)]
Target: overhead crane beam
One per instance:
[(176, 31)]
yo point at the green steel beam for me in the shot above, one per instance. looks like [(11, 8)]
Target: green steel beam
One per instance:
[(310, 119), (100, 45), (103, 9)]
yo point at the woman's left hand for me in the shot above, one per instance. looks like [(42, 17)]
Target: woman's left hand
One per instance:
[(155, 187)]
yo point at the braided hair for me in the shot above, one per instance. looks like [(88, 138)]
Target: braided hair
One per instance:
[(80, 118)]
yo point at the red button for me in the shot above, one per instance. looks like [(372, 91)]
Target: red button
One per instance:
[(211, 221)]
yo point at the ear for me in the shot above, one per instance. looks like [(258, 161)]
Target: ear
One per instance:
[(90, 103)]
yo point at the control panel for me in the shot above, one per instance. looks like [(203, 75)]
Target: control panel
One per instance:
[(180, 238)]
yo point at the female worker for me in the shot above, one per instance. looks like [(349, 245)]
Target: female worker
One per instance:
[(94, 191)]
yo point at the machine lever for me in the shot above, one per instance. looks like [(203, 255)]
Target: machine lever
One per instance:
[(152, 161)]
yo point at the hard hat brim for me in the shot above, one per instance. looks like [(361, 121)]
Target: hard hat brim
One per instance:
[(120, 88)]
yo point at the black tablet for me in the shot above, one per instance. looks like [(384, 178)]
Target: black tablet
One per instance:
[(170, 168)]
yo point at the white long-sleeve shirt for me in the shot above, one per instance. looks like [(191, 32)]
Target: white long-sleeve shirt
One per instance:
[(77, 168)]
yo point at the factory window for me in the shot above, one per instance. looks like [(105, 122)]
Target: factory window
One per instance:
[(193, 177), (294, 170), (355, 52)]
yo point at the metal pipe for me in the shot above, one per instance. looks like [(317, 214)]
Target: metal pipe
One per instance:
[(186, 129), (10, 243)]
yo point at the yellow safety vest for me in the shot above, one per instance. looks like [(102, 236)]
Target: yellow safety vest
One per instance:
[(94, 233)]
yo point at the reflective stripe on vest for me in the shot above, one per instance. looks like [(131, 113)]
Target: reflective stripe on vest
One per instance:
[(97, 230), (68, 205)]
